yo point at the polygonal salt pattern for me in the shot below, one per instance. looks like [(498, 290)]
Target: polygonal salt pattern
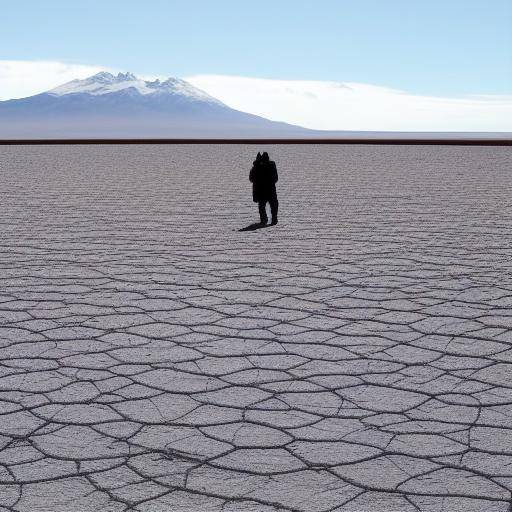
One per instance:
[(355, 357)]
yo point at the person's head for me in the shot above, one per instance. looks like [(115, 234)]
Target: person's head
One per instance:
[(265, 157)]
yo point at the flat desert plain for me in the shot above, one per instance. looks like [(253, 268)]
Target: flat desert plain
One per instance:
[(355, 357)]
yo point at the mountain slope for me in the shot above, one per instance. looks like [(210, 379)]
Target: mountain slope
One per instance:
[(105, 105)]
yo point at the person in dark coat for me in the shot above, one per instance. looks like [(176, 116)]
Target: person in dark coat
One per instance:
[(263, 177)]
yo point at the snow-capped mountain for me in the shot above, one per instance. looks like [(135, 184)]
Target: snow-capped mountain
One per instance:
[(123, 105), (106, 83)]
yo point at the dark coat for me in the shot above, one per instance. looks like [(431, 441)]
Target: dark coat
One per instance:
[(263, 177)]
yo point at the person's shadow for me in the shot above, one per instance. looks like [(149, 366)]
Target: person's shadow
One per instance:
[(255, 226)]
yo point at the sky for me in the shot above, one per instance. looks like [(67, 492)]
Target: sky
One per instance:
[(331, 64)]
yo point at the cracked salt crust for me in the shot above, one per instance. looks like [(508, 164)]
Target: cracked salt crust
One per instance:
[(356, 357)]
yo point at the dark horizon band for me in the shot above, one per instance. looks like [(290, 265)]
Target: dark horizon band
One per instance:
[(312, 141)]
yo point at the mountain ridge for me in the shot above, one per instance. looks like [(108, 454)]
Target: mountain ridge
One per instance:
[(106, 83), (106, 105)]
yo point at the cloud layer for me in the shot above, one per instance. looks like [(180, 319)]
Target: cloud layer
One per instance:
[(313, 104), (19, 79), (355, 106)]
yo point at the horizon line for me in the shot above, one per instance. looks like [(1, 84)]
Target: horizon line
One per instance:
[(269, 141)]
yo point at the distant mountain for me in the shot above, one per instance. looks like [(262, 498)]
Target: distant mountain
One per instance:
[(105, 105)]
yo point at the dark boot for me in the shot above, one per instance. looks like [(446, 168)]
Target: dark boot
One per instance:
[(263, 212), (274, 206)]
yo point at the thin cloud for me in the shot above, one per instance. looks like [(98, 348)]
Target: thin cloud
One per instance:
[(355, 106), (19, 79)]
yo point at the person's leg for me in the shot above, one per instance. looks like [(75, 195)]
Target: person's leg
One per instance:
[(263, 212), (274, 206)]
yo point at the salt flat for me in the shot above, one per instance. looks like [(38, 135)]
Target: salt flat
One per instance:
[(355, 357)]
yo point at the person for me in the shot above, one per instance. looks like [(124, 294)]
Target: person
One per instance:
[(263, 177)]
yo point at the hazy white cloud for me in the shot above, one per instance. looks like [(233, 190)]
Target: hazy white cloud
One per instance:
[(19, 78), (355, 106), (313, 104)]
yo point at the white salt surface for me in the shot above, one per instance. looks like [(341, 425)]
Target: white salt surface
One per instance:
[(355, 357)]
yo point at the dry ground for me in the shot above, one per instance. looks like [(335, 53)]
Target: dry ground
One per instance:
[(356, 357)]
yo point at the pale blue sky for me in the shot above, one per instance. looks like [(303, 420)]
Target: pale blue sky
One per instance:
[(434, 47)]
